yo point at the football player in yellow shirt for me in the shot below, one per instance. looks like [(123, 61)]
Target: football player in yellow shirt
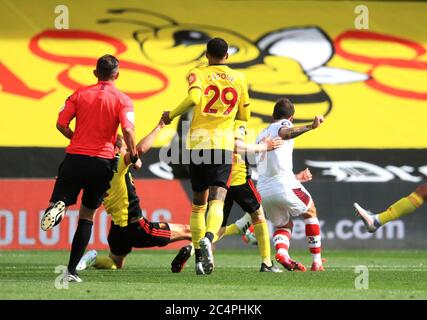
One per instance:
[(242, 191), (219, 96), (129, 229)]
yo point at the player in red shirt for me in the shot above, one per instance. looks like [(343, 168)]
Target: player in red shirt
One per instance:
[(89, 161)]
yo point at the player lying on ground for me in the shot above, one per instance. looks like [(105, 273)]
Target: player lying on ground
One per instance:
[(242, 191), (282, 194), (398, 209), (91, 258), (129, 229), (88, 165)]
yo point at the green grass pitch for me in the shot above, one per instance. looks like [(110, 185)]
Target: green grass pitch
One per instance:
[(147, 275)]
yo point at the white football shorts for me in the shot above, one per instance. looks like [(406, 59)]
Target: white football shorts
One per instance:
[(280, 206)]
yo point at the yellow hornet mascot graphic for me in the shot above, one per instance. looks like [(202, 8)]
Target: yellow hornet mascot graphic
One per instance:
[(289, 62)]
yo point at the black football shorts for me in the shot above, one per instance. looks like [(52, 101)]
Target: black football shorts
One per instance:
[(210, 167), (77, 172), (246, 196), (141, 234)]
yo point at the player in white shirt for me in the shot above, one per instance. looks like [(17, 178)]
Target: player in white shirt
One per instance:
[(282, 193)]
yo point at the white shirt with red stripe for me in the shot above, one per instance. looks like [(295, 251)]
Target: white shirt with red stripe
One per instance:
[(275, 168)]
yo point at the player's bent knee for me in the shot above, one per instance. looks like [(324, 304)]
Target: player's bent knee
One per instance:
[(187, 229), (120, 264), (118, 260), (200, 198), (311, 213), (288, 225), (217, 193), (86, 213), (422, 191), (220, 232), (257, 216)]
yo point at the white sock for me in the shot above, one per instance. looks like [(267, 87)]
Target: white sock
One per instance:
[(244, 223)]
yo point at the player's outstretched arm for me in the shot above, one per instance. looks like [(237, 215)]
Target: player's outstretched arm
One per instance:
[(193, 98), (290, 133), (265, 144), (145, 143)]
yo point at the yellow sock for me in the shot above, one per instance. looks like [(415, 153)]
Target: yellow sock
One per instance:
[(217, 236), (104, 263), (263, 237), (231, 230), (215, 216), (197, 224), (400, 208)]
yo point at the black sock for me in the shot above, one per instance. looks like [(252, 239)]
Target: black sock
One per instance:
[(80, 242), (210, 236)]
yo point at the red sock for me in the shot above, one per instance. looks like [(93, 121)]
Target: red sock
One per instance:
[(312, 232), (281, 239)]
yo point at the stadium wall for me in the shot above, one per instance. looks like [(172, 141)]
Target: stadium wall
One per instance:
[(340, 178)]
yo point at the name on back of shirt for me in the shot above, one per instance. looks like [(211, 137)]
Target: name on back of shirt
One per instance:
[(220, 76)]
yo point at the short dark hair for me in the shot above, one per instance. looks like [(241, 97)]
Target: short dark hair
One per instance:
[(107, 67), (283, 109), (217, 48)]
